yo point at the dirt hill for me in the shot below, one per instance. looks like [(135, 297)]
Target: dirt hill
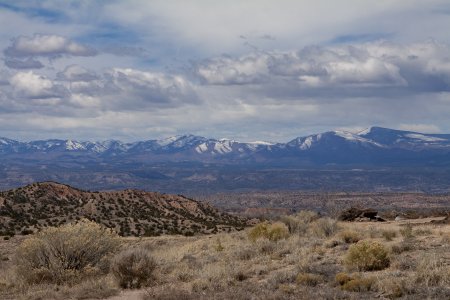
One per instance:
[(130, 212)]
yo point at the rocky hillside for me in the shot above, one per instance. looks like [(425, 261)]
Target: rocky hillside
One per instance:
[(130, 212)]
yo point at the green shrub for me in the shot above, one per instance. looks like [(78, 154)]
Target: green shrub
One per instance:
[(133, 268), (272, 232), (59, 254), (367, 256)]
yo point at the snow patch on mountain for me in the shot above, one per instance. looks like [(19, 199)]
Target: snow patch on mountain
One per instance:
[(424, 138), (74, 145), (223, 146), (263, 143), (308, 142), (167, 141), (355, 138), (201, 148)]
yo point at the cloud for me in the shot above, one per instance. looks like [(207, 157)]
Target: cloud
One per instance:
[(368, 69), (47, 46), (23, 64), (424, 128), (149, 89), (76, 73), (34, 86)]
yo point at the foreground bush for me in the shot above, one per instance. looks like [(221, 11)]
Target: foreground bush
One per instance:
[(272, 232), (60, 254), (133, 268), (367, 256)]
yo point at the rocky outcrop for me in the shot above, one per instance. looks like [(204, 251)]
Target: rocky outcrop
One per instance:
[(359, 214)]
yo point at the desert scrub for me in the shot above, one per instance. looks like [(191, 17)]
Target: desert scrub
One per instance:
[(367, 256), (354, 283), (69, 252), (309, 279), (359, 284), (133, 268), (389, 235), (407, 231), (342, 278), (432, 271), (324, 227), (272, 232), (299, 222), (349, 236)]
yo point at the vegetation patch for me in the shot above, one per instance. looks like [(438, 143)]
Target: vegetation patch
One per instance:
[(367, 256), (60, 254)]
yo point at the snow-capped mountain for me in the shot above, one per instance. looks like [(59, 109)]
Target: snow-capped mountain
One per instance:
[(373, 145)]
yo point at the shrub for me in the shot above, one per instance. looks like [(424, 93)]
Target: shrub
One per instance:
[(272, 232), (367, 256), (359, 285), (309, 279), (407, 231), (349, 236), (324, 227), (354, 283), (342, 278), (299, 222), (389, 235), (133, 268), (64, 253)]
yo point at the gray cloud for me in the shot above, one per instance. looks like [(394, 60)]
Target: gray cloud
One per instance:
[(46, 45), (149, 89), (28, 63), (76, 73), (361, 70)]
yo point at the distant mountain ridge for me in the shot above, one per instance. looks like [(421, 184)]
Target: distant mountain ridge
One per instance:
[(193, 147), (190, 163)]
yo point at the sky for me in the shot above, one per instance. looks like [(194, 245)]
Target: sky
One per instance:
[(245, 70)]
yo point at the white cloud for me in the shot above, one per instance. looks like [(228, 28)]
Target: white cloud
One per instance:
[(31, 85), (46, 45)]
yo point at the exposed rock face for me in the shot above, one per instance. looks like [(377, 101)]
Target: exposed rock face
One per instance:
[(129, 212), (358, 214)]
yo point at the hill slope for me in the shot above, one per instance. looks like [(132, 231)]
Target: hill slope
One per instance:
[(130, 212)]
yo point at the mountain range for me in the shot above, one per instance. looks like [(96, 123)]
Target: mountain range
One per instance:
[(188, 161), (373, 144)]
